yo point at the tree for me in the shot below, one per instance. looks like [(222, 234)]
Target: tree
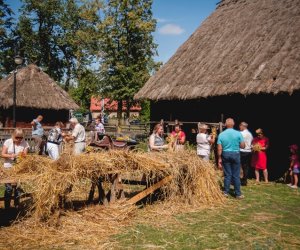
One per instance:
[(60, 36), (145, 112), (78, 37), (88, 86), (128, 49), (36, 32), (6, 41)]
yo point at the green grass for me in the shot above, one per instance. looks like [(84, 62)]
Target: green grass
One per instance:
[(268, 218), (2, 188)]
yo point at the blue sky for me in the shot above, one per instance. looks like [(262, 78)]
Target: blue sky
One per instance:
[(177, 20)]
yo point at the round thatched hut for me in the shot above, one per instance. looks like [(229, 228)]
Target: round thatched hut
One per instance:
[(242, 62), (37, 93)]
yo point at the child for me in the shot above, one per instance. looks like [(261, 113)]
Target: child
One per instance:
[(294, 166)]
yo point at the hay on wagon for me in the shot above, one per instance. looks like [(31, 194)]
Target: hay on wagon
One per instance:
[(194, 181), (194, 184)]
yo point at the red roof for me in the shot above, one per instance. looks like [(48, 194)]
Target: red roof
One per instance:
[(96, 105)]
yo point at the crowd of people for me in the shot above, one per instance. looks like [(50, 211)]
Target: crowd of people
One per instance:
[(16, 147), (236, 150)]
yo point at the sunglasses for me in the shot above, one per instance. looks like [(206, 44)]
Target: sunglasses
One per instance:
[(19, 138)]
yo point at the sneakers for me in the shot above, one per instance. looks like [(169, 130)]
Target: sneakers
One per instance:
[(240, 197), (290, 184), (294, 186), (225, 195)]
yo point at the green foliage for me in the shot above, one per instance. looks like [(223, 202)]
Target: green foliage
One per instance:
[(36, 32), (88, 85), (70, 38), (128, 48), (145, 112), (60, 36), (6, 41)]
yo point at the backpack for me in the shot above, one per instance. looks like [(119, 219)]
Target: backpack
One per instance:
[(54, 136)]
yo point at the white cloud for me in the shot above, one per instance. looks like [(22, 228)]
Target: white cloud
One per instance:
[(161, 20), (171, 29)]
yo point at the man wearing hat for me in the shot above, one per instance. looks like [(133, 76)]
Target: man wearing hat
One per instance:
[(78, 135), (204, 142)]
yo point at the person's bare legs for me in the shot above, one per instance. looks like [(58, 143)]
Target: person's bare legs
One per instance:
[(295, 180), (257, 175), (292, 178), (265, 172)]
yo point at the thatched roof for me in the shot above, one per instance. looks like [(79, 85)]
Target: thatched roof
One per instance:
[(245, 47), (35, 89)]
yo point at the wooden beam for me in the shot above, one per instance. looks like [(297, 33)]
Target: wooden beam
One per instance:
[(113, 189), (22, 196), (149, 190), (10, 181), (134, 182)]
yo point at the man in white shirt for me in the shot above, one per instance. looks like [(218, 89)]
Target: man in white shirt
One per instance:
[(78, 135), (246, 153), (99, 127)]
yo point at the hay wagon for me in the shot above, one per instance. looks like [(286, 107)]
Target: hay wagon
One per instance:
[(117, 172), (117, 182), (144, 186)]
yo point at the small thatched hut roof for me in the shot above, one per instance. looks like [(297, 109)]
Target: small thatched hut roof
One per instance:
[(244, 47), (35, 89)]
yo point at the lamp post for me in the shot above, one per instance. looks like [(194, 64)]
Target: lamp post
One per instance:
[(18, 61)]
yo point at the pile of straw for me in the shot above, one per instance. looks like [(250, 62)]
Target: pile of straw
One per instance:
[(90, 228), (195, 184), (194, 181)]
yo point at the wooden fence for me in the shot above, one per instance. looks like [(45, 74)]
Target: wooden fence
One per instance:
[(136, 131), (130, 130)]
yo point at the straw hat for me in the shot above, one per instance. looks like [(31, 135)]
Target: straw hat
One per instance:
[(202, 126)]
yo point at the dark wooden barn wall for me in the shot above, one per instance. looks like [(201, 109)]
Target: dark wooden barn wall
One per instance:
[(277, 115), (25, 115)]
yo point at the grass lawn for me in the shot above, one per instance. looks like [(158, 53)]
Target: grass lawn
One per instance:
[(268, 218)]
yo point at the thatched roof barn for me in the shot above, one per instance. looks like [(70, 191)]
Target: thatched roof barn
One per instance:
[(37, 93), (242, 62), (245, 47)]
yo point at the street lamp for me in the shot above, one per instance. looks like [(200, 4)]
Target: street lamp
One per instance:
[(18, 61)]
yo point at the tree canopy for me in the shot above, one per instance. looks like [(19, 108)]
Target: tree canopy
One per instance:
[(6, 42), (89, 47), (128, 48)]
